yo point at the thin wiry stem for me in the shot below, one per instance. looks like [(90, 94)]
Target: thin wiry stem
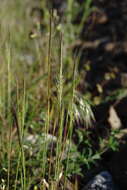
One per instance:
[(49, 65), (61, 73), (47, 124), (8, 111)]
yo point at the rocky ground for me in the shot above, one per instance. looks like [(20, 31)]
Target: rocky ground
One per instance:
[(106, 55)]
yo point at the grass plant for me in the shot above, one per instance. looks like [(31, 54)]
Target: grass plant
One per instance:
[(39, 101)]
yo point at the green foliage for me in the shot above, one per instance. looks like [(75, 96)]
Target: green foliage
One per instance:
[(39, 96), (113, 143), (84, 158)]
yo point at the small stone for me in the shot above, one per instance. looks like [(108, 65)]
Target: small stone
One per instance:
[(102, 181), (110, 46), (114, 119)]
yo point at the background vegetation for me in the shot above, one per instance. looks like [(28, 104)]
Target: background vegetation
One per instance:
[(48, 136)]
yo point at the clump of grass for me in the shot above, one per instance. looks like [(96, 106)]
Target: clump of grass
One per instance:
[(37, 99)]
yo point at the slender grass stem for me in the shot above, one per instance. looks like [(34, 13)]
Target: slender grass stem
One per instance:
[(47, 123), (49, 67), (8, 111)]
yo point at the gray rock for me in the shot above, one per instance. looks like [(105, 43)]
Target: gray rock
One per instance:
[(102, 181), (34, 143)]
